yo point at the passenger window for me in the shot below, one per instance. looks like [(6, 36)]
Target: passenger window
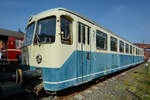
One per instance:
[(127, 48), (83, 34), (113, 44), (101, 40), (121, 46), (79, 32), (66, 30), (130, 49)]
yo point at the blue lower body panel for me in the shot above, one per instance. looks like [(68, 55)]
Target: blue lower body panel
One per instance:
[(80, 68)]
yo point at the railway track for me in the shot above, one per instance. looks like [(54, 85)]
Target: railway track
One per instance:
[(77, 91)]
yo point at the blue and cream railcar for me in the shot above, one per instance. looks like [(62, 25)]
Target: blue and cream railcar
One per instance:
[(70, 49)]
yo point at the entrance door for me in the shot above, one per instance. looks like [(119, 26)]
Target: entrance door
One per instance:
[(84, 53)]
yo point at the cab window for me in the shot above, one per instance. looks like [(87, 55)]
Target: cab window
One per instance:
[(46, 30)]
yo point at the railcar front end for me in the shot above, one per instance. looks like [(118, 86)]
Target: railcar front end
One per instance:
[(49, 46)]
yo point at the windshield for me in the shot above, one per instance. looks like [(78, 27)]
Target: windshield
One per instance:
[(46, 29), (29, 34)]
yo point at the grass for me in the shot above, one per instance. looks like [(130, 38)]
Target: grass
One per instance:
[(138, 83)]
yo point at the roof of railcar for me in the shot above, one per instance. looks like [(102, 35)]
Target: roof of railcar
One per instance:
[(85, 18), (5, 32), (91, 21)]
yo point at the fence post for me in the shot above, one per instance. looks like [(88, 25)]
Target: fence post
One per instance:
[(146, 67)]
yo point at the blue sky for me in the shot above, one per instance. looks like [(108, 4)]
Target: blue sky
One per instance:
[(128, 18)]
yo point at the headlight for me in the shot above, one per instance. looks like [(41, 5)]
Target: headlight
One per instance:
[(38, 59)]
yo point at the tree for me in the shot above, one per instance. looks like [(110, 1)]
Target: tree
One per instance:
[(19, 30)]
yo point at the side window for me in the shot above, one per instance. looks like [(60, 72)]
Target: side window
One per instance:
[(113, 44), (127, 48), (136, 51), (133, 50), (66, 30), (83, 34), (18, 44), (121, 46), (79, 32), (130, 49), (101, 40)]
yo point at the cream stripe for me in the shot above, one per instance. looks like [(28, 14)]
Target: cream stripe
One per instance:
[(11, 50)]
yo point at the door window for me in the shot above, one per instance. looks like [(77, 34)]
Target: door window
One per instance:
[(83, 31), (66, 30)]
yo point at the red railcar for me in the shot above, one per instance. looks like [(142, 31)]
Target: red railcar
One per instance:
[(10, 44), (146, 55)]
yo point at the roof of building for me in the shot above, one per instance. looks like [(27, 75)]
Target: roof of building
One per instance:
[(141, 45), (6, 32)]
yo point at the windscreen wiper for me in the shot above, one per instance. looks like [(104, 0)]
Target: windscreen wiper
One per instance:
[(37, 39)]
